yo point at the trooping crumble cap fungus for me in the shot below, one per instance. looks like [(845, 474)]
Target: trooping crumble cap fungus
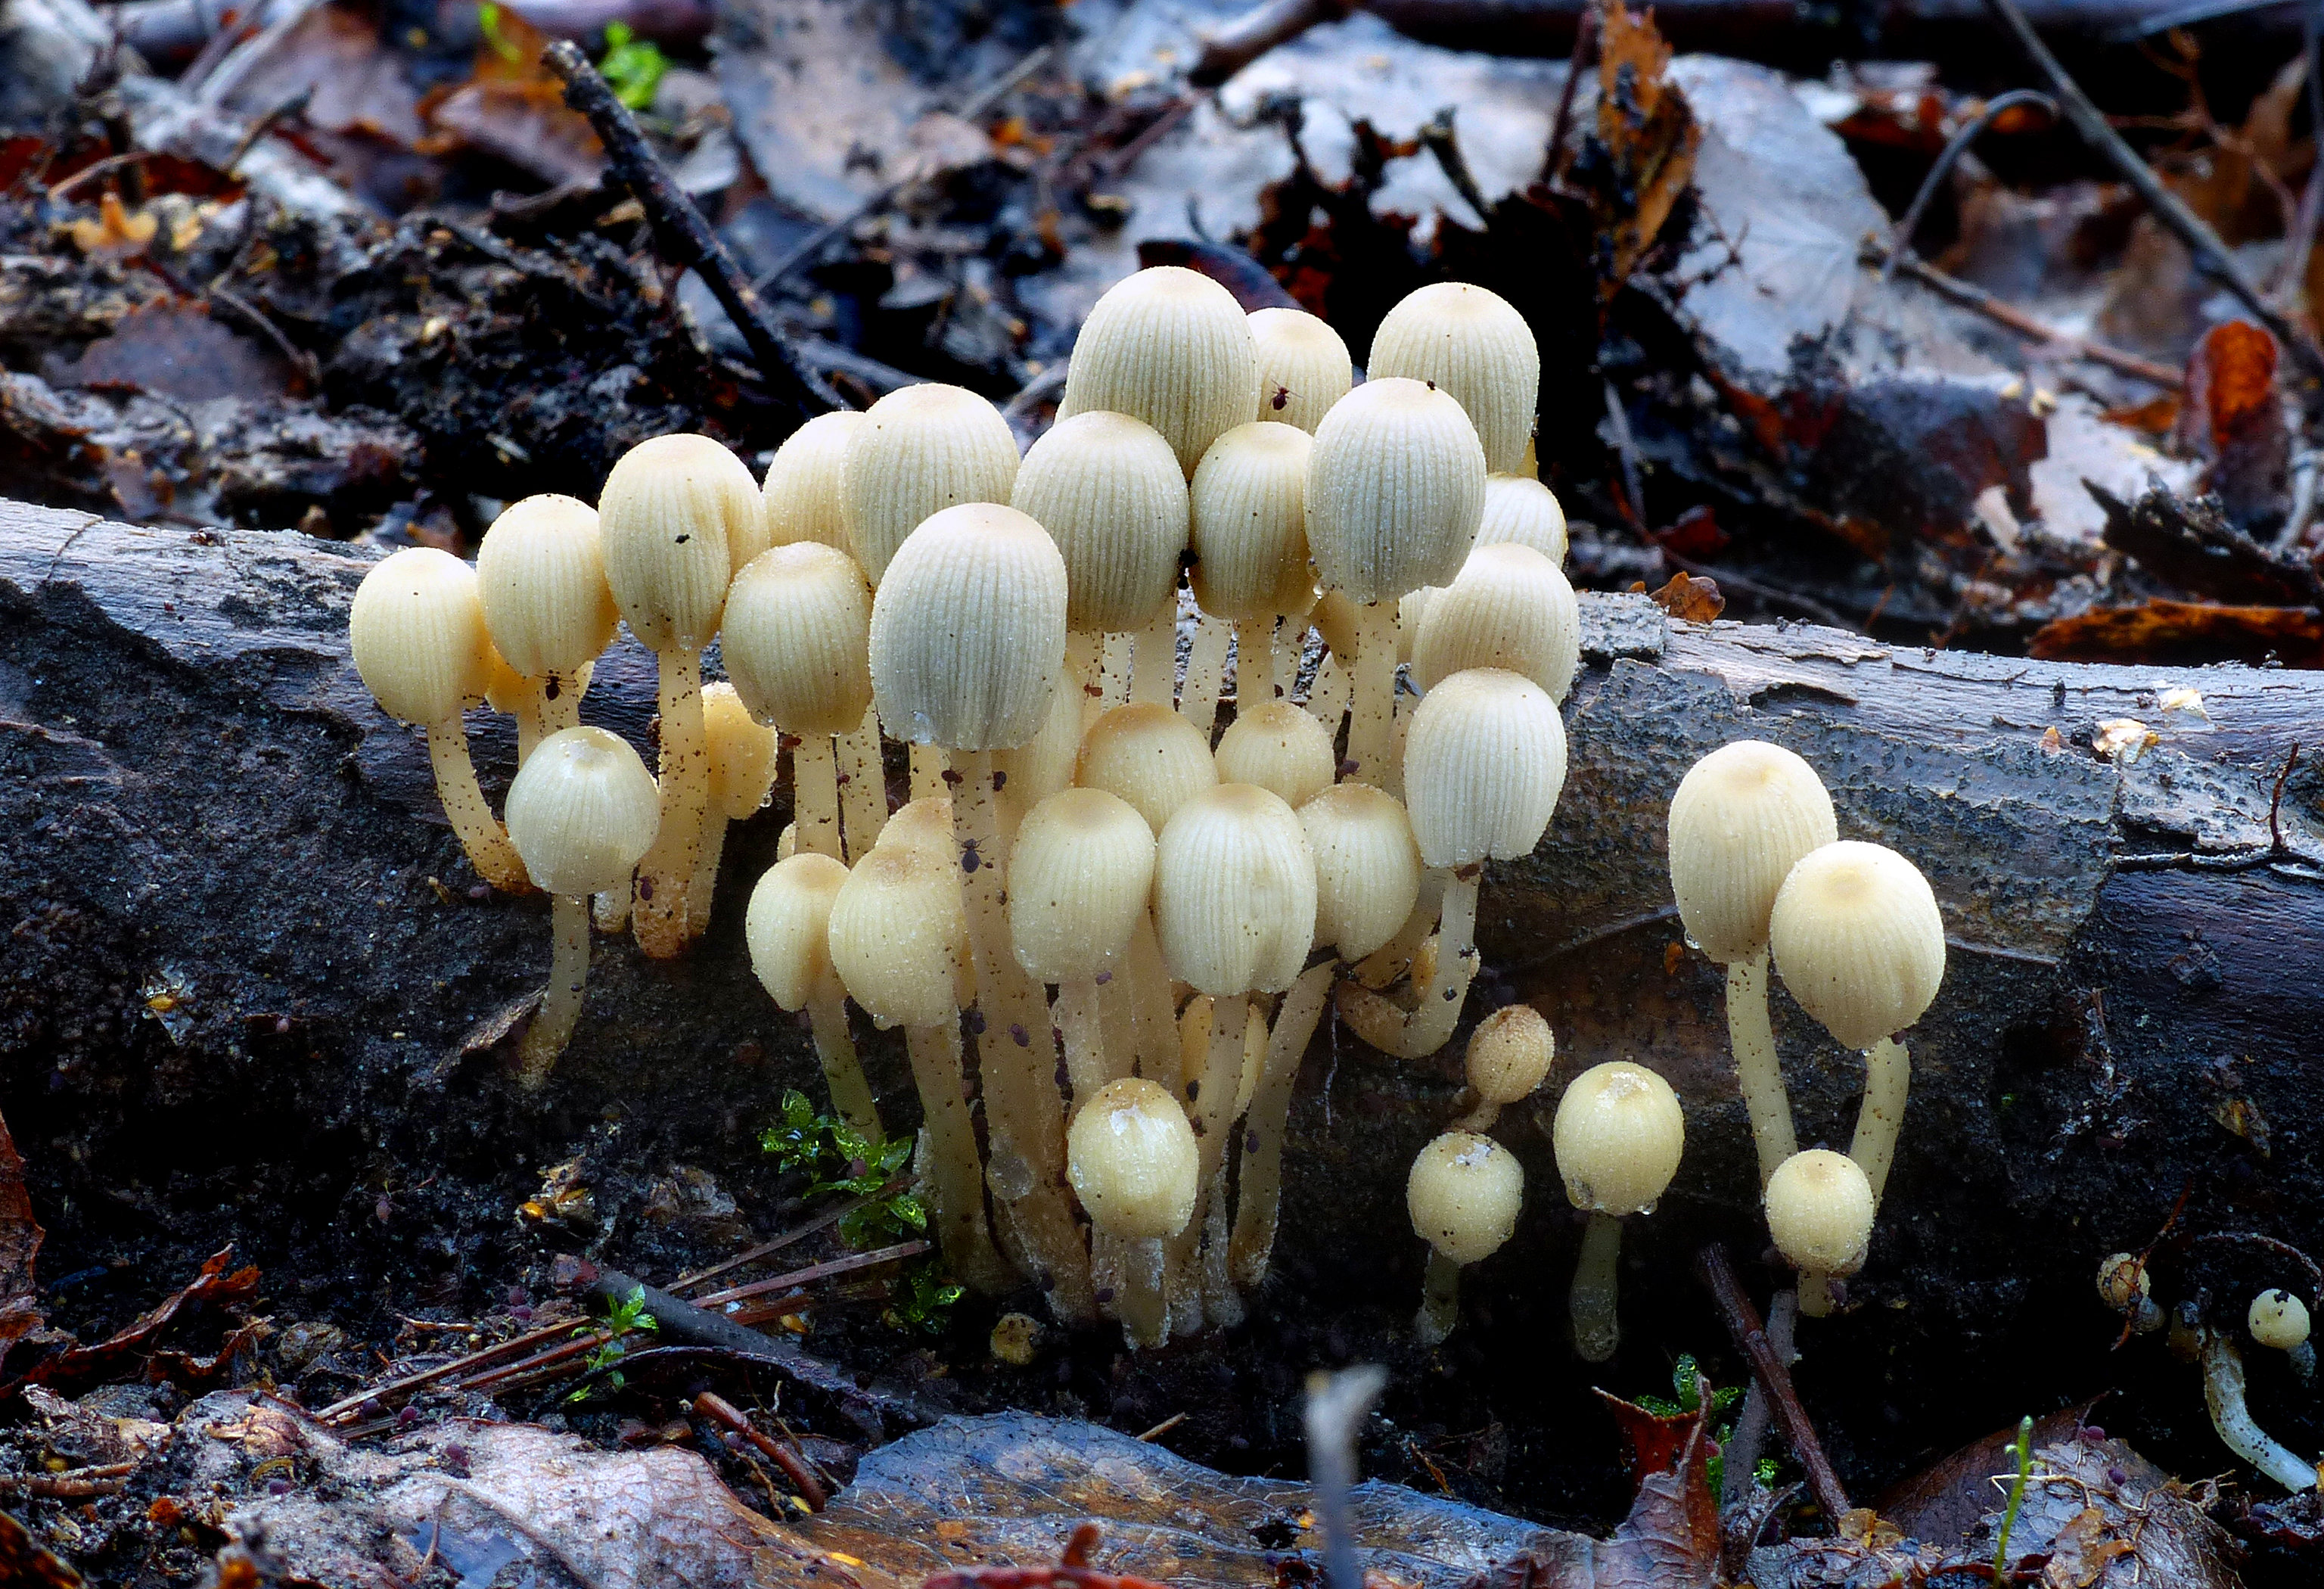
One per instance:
[(805, 485), (1859, 940), (1248, 525), (1079, 874), (1368, 871), (1396, 489), (1510, 607), (1133, 1160), (1463, 1194), (1172, 348), (1109, 491), (1520, 510), (678, 517), (1149, 755), (1234, 892), (1281, 748), (1819, 1211), (921, 449), (1472, 343), (1303, 367), (540, 572), (798, 638)]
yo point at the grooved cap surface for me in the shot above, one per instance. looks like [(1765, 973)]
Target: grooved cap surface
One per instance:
[(1474, 345), (1511, 1053), (1234, 893), (1149, 755), (416, 629), (1510, 608), (1079, 873), (1619, 1134), (541, 575), (968, 630), (1172, 348), (1464, 1193), (1859, 940), (897, 931), (1743, 817), (583, 812), (678, 517), (805, 484), (741, 753), (1520, 510), (1250, 524), (1279, 747), (1303, 367), (1483, 763), (1396, 489), (920, 450), (1368, 869), (1819, 1211), (1133, 1161), (1109, 491), (789, 929), (798, 638)]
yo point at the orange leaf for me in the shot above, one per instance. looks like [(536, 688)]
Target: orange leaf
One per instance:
[(1690, 600)]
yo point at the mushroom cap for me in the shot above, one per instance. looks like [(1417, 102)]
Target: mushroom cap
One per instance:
[(806, 486), (1463, 1195), (924, 824), (1520, 510), (1249, 527), (541, 575), (1079, 873), (1510, 608), (1044, 764), (1109, 491), (741, 753), (1172, 348), (2277, 1318), (1509, 1053), (1396, 489), (798, 638), (2122, 1282), (1368, 871), (1619, 1134), (678, 517), (1819, 1210), (417, 629), (921, 449), (789, 929), (1132, 1157), (1743, 817), (968, 630), (583, 811), (897, 932), (1303, 367), (1857, 935), (1483, 763), (1234, 892), (1150, 756), (1281, 748), (1472, 343)]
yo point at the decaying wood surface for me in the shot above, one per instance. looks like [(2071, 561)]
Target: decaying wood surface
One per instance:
[(237, 947)]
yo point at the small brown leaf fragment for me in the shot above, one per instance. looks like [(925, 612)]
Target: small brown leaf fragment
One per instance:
[(1691, 600), (1652, 1442), (2234, 418), (1670, 1541), (2241, 1117), (1648, 133)]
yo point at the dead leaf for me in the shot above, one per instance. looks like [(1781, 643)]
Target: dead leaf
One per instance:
[(2185, 633), (514, 109), (2157, 416), (23, 1561), (1691, 600), (2234, 418), (1652, 1442), (175, 349), (20, 1243), (216, 1285), (1944, 1500), (2105, 1517), (1648, 135), (1670, 1541), (115, 232)]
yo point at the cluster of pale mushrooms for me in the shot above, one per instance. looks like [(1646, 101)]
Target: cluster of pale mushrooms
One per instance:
[(1137, 927)]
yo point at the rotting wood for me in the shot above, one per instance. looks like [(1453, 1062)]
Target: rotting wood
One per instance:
[(198, 783)]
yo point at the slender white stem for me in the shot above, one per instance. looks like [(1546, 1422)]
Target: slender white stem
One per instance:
[(1118, 1012), (1441, 993), (1023, 1115), (532, 727), (955, 1178), (1260, 1198), (1440, 1300), (561, 702), (1151, 1006), (560, 1001), (1284, 653), (1597, 1330), (2223, 1393), (1815, 1293), (705, 874), (667, 870), (1077, 1015), (611, 911), (1371, 732), (1206, 671), (1254, 663), (928, 763), (480, 832), (1887, 1077), (1384, 964), (815, 796), (1154, 666), (1210, 1109), (1084, 672), (842, 1072), (1114, 675), (1758, 1072), (1221, 1303), (1327, 695), (1145, 1319), (863, 796)]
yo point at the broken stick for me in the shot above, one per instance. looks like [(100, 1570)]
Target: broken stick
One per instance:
[(1773, 1375)]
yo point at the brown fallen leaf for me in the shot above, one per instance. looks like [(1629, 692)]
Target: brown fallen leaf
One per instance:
[(1648, 135), (20, 1243), (1691, 600), (514, 109), (1944, 1500), (2105, 1517), (1652, 1442), (2234, 418), (2182, 633), (175, 349), (115, 232), (24, 1561), (215, 1285), (1670, 1541)]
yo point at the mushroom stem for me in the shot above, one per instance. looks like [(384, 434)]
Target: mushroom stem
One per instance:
[(1327, 695), (1084, 672), (1221, 1303), (561, 702), (1440, 1300), (1154, 657), (529, 712), (1441, 993), (1597, 1330), (1156, 1021), (955, 1180), (1113, 673), (611, 911), (815, 796), (1759, 1073), (560, 1001), (1255, 683), (929, 773), (1384, 964), (842, 1072), (1023, 1115), (1145, 1318), (705, 882), (667, 872), (864, 794), (1815, 1293), (1372, 733), (1206, 673), (1285, 653), (480, 833), (1270, 1108), (2223, 1393), (1077, 1016), (1210, 1110), (1888, 1076)]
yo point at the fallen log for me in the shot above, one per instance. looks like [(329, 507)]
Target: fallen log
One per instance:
[(250, 991)]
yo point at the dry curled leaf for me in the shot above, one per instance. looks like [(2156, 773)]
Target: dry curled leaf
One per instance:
[(1648, 135), (1691, 600)]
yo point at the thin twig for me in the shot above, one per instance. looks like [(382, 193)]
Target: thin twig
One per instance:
[(781, 1282), (1438, 136), (1585, 34), (2275, 853), (111, 162), (1742, 1322), (300, 359), (786, 1456), (445, 1370), (2209, 254), (2009, 317), (822, 1221), (1633, 496), (1244, 39), (296, 105), (685, 237), (1900, 241)]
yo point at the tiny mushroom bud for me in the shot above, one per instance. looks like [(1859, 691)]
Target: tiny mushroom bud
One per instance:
[(1172, 348), (1509, 1054), (678, 517), (921, 449), (797, 642), (789, 930), (1134, 1163), (1150, 756), (1510, 608), (1368, 870), (806, 486), (1280, 748), (540, 573), (2277, 1318), (1618, 1135), (1819, 1211), (1743, 817), (2125, 1285), (1303, 367), (417, 629), (1472, 343), (1856, 935), (1249, 532), (1463, 1195), (581, 812), (1520, 510), (1395, 488), (1079, 876)]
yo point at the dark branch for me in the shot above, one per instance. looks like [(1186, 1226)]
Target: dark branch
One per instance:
[(1742, 1322)]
